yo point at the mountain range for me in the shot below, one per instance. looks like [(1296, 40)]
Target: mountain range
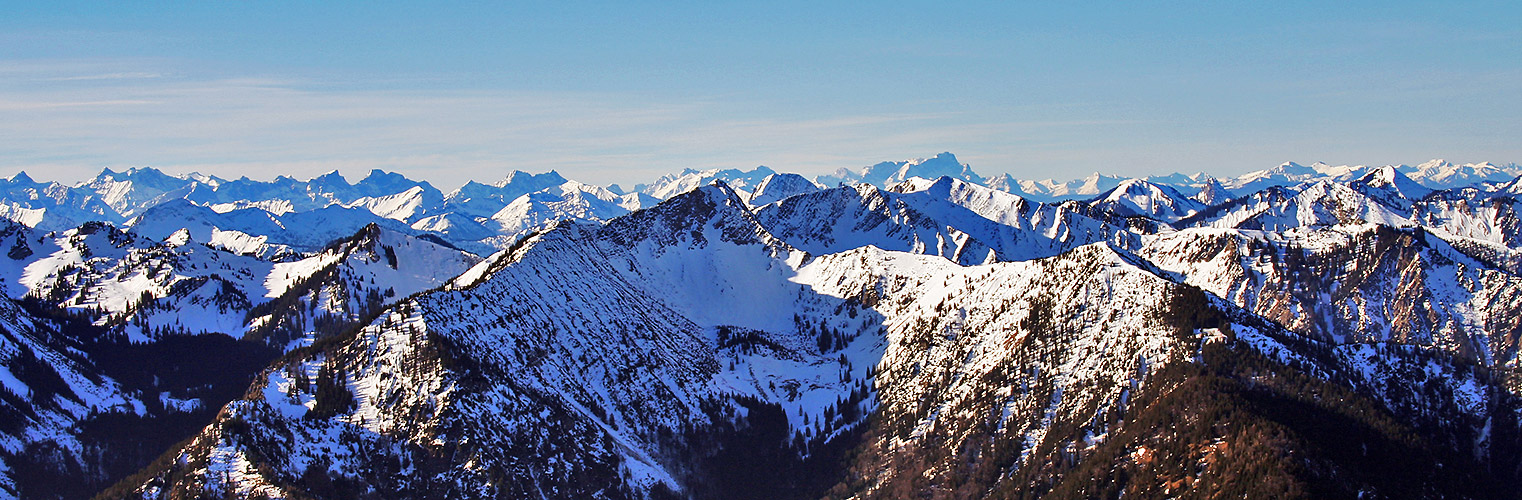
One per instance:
[(908, 329)]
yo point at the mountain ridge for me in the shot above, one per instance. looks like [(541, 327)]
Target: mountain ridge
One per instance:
[(759, 334)]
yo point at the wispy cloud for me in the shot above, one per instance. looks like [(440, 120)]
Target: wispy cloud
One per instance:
[(31, 105), (265, 127), (67, 129), (104, 76)]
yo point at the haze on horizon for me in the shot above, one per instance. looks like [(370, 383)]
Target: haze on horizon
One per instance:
[(625, 93)]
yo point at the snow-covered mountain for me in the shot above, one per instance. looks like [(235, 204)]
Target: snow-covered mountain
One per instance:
[(689, 179), (142, 289), (1390, 187), (656, 353), (1435, 174), (1356, 283), (482, 200), (963, 222), (47, 388), (888, 173), (131, 330), (1086, 187), (1212, 193), (1139, 197), (538, 210), (1315, 203), (468, 217), (1440, 174), (907, 329), (777, 187), (50, 206)]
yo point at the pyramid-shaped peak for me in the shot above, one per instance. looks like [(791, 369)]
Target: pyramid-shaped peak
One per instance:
[(106, 174), (776, 187), (1387, 175), (1139, 187), (180, 237), (21, 178), (691, 215)]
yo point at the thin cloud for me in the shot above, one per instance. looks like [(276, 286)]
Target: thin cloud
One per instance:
[(105, 76), (272, 126), (24, 105)]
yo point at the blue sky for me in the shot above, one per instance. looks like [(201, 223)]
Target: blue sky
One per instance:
[(623, 92)]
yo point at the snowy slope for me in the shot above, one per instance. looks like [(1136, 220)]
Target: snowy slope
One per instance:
[(1317, 203), (1356, 284), (477, 200), (1441, 174), (47, 387), (596, 361), (611, 334), (1087, 187), (1138, 197), (614, 346), (777, 187), (963, 222), (143, 289), (674, 184), (1391, 187), (690, 314)]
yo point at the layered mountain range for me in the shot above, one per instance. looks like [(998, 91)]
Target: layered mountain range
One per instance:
[(909, 329)]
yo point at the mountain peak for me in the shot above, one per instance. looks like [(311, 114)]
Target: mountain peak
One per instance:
[(1213, 193), (105, 175), (21, 178), (143, 170), (776, 187), (692, 216), (332, 176), (942, 157), (941, 165), (378, 175), (1434, 164), (1293, 168), (529, 181), (179, 238), (1388, 180), (1141, 197)]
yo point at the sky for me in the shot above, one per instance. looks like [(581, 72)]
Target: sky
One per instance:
[(625, 92)]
